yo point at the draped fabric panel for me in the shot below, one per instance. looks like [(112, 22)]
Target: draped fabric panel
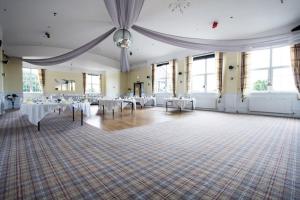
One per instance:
[(124, 62), (84, 82), (244, 74), (43, 73), (220, 45), (295, 61), (42, 78), (100, 83), (189, 65), (220, 73), (153, 78), (123, 14), (173, 62), (70, 55)]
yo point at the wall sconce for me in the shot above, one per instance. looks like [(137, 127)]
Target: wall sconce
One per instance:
[(179, 73), (3, 74), (148, 77), (231, 68)]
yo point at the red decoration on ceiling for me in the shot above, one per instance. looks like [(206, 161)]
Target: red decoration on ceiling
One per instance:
[(215, 24)]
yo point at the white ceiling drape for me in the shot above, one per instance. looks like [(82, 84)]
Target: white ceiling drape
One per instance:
[(70, 55), (123, 14), (221, 45)]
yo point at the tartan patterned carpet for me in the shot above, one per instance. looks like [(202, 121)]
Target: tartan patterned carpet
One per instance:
[(205, 156)]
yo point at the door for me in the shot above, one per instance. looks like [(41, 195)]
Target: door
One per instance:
[(138, 88)]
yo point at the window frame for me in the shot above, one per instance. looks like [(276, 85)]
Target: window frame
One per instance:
[(164, 79), (91, 84), (205, 74), (30, 82), (270, 73)]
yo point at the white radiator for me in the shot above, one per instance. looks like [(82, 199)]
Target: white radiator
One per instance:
[(272, 103), (160, 98), (205, 100)]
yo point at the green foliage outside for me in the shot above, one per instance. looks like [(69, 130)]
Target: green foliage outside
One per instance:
[(261, 85), (29, 78)]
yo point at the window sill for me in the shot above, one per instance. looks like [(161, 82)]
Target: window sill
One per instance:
[(273, 92), (32, 92), (195, 92)]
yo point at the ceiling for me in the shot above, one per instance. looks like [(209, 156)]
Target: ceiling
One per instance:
[(77, 22)]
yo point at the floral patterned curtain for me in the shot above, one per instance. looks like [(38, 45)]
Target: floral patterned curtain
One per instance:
[(295, 61)]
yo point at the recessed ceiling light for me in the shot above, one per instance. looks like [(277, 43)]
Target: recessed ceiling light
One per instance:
[(231, 17), (4, 10), (54, 13)]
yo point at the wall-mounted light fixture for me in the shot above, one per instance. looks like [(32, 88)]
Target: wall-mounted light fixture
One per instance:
[(5, 59), (231, 68), (179, 73), (148, 77)]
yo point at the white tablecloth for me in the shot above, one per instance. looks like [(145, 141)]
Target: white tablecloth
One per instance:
[(37, 111), (128, 102), (85, 107), (115, 104), (144, 100), (182, 103)]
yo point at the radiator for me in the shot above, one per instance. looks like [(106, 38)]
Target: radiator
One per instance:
[(160, 98), (205, 100), (271, 103)]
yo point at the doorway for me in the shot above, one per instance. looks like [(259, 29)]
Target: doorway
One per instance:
[(138, 89)]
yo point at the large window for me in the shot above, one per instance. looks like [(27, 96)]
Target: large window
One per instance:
[(163, 77), (31, 81), (270, 70), (204, 74), (93, 83)]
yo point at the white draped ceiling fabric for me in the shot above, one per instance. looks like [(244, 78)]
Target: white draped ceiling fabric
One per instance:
[(220, 45), (124, 13), (70, 55)]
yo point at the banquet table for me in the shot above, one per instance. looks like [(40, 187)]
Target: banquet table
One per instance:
[(145, 100), (181, 103), (112, 105), (37, 111), (84, 109)]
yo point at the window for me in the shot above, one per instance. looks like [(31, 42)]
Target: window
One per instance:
[(270, 70), (93, 83), (163, 77), (31, 81), (204, 74)]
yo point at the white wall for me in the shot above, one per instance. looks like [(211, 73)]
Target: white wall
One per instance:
[(112, 86)]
